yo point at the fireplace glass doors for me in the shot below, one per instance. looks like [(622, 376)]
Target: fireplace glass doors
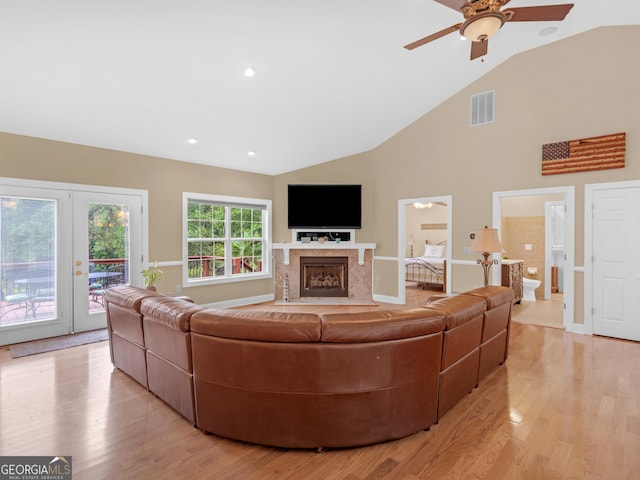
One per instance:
[(324, 276)]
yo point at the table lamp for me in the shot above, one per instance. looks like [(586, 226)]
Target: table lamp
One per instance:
[(486, 241)]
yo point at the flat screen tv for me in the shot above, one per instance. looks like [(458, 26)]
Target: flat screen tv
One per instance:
[(325, 206)]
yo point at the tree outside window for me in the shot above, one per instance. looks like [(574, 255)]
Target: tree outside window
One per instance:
[(225, 240)]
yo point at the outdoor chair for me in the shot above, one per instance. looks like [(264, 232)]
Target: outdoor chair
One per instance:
[(114, 276), (13, 302)]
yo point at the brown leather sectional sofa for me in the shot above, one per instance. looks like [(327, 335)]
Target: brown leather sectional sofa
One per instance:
[(300, 380)]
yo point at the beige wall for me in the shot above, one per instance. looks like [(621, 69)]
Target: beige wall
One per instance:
[(165, 180), (578, 87), (575, 88)]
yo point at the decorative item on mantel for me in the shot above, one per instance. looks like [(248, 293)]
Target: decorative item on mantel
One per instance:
[(486, 241), (285, 288)]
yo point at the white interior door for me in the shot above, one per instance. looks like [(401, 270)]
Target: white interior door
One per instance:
[(107, 251), (616, 262)]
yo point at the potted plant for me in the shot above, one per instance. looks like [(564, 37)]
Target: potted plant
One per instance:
[(152, 275)]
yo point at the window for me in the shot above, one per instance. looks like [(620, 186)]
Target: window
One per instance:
[(226, 238)]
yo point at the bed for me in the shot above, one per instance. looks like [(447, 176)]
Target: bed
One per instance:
[(428, 270)]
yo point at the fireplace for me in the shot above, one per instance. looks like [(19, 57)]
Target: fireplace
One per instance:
[(324, 276)]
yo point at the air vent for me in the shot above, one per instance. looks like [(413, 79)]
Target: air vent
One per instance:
[(483, 108)]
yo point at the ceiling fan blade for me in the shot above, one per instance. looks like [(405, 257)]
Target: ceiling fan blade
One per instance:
[(545, 13), (479, 49), (433, 36), (455, 4)]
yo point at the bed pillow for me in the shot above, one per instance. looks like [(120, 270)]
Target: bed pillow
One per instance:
[(434, 251)]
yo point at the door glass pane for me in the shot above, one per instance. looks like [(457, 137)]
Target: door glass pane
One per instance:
[(28, 260), (108, 250)]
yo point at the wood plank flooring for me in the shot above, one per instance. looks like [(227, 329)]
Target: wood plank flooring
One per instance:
[(564, 406)]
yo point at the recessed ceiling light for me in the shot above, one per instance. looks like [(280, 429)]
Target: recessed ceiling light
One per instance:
[(251, 153), (192, 141), (249, 72), (548, 31)]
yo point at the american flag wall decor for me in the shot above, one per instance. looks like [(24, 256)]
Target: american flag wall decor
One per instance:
[(584, 155)]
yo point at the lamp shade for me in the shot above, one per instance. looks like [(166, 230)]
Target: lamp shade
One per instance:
[(486, 240)]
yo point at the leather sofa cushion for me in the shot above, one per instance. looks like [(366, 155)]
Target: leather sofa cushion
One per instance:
[(130, 358), (171, 384), (460, 341), (127, 323), (167, 329), (169, 311), (128, 296), (463, 329), (310, 395), (379, 326), (494, 295), (496, 320), (257, 325), (459, 309), (492, 353)]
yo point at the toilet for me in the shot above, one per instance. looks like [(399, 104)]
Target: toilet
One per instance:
[(529, 286)]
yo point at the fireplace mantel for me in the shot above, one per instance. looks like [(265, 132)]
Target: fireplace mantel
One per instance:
[(361, 247)]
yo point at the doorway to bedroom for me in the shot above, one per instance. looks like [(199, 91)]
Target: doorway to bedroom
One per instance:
[(424, 229)]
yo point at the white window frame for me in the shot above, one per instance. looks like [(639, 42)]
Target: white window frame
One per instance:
[(227, 201)]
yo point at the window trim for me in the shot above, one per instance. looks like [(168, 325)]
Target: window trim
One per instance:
[(227, 201)]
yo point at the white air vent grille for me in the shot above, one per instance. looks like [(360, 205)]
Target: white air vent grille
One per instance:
[(483, 108)]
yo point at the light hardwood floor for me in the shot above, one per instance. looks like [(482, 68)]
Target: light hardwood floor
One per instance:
[(564, 406)]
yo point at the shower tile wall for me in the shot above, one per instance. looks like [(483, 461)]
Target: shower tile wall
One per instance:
[(518, 231)]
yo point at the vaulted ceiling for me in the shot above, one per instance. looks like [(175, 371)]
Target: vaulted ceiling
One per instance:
[(331, 77)]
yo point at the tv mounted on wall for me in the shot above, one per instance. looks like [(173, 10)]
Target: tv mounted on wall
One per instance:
[(325, 206)]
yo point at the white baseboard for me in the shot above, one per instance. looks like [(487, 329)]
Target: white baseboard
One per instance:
[(386, 299)]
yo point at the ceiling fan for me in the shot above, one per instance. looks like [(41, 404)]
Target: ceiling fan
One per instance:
[(483, 18)]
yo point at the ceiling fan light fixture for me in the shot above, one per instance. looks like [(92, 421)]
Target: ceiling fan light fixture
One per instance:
[(483, 26)]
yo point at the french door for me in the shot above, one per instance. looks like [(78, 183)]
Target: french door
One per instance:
[(34, 266), (61, 248), (107, 251)]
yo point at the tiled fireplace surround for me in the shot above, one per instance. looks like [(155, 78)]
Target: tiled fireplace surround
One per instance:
[(360, 257)]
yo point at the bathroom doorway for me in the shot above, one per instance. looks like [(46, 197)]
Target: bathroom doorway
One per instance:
[(554, 247), (532, 224)]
